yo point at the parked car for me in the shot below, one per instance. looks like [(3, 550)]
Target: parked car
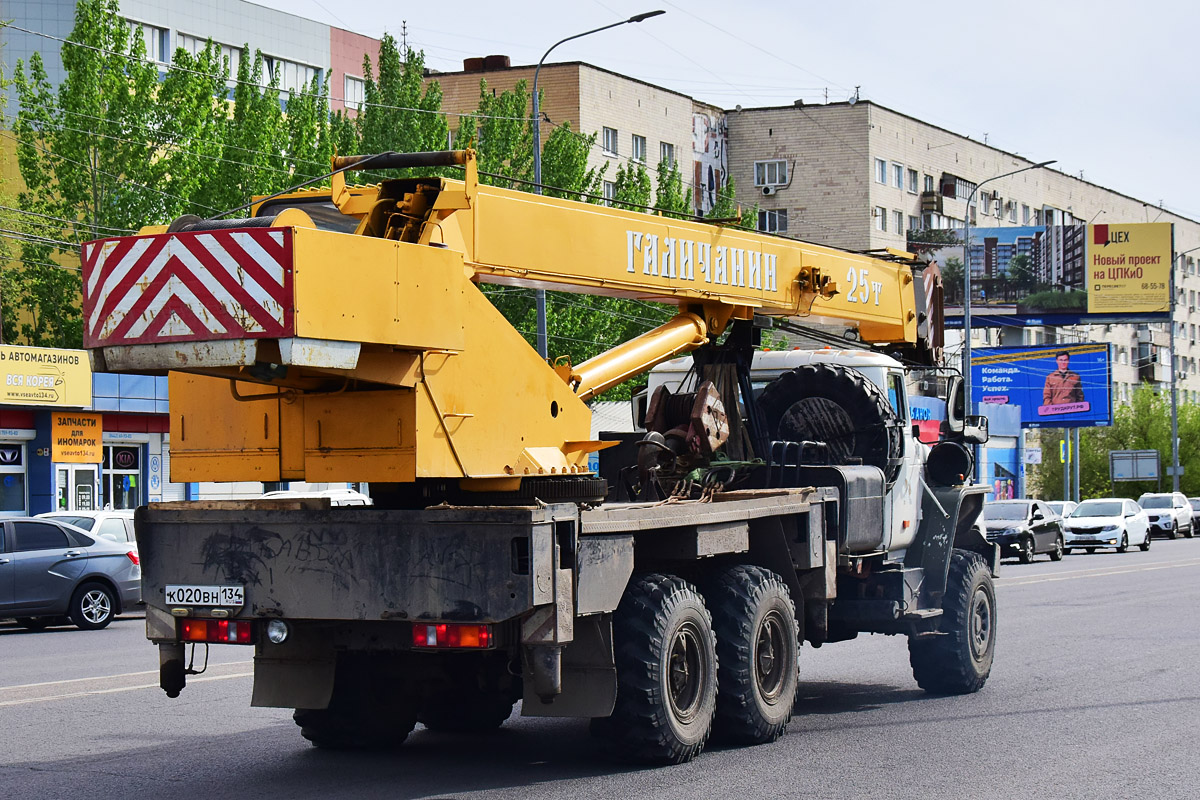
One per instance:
[(1170, 514), (1062, 507), (1115, 522), (1024, 528), (116, 525), (51, 571), (1194, 502)]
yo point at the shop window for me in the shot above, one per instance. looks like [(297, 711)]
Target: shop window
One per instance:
[(121, 484), (12, 479)]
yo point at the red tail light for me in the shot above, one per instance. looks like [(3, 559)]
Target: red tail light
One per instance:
[(132, 556), (452, 634), (216, 631)]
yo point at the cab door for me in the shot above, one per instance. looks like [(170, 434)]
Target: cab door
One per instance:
[(1044, 524), (47, 564)]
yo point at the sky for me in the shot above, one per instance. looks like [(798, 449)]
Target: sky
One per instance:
[(1108, 89)]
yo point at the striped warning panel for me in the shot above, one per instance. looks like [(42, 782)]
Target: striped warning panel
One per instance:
[(179, 287)]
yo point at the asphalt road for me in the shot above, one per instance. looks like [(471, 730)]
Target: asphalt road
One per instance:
[(1093, 695)]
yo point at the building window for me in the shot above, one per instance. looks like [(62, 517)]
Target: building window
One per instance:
[(898, 176), (773, 221), (293, 77), (639, 148), (1024, 214), (610, 141), (1012, 210), (610, 192), (912, 181), (354, 93), (880, 215), (666, 153), (158, 41), (12, 482), (929, 187), (985, 204), (770, 173), (1037, 216), (914, 223), (121, 469), (881, 171), (898, 221)]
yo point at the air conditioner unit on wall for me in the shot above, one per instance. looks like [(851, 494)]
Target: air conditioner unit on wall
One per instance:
[(769, 190)]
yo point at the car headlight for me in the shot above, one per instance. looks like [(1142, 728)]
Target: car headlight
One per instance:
[(1111, 528)]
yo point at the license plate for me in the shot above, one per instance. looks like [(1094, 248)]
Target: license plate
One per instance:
[(190, 595)]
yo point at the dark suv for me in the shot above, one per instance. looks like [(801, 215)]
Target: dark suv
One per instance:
[(1024, 528)]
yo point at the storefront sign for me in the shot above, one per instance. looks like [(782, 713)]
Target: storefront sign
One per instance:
[(41, 376), (75, 438)]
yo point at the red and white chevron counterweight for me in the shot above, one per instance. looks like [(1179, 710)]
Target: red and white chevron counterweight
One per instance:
[(187, 287)]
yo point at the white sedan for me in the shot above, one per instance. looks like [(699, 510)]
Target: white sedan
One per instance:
[(1107, 522)]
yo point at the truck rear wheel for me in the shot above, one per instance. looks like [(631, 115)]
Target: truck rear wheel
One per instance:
[(754, 619), (666, 672), (367, 709), (958, 659)]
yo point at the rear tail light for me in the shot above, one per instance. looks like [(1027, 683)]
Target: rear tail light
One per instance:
[(216, 631), (132, 556), (452, 634)]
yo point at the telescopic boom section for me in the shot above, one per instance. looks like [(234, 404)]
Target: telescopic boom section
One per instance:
[(339, 334)]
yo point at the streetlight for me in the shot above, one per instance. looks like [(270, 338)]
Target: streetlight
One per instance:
[(543, 345), (1174, 393), (966, 352)]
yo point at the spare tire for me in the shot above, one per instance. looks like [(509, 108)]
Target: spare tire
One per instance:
[(839, 406)]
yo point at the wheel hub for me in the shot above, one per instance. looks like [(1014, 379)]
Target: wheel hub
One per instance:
[(980, 628), (768, 661), (685, 672), (95, 606)]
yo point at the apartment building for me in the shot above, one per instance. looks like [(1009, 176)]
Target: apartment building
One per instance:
[(860, 176), (634, 121), (295, 48)]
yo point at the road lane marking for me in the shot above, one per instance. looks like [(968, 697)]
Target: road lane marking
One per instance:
[(112, 677), (71, 695), (1053, 578), (1106, 570)]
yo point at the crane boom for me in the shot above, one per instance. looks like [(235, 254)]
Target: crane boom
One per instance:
[(340, 335)]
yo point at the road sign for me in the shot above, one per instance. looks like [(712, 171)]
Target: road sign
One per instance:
[(1133, 465)]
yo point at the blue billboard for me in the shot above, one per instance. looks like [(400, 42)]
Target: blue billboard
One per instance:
[(1056, 385)]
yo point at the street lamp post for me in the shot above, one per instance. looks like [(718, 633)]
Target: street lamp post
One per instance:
[(966, 351), (543, 344), (1175, 262)]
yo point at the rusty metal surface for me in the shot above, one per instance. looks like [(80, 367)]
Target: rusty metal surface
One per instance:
[(633, 517), (350, 563)]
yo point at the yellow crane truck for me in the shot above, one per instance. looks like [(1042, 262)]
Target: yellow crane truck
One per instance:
[(341, 334)]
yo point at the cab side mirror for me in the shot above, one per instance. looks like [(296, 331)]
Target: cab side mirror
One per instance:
[(975, 429), (1037, 514), (955, 403)]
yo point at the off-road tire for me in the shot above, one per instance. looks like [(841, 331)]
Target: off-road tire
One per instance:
[(666, 672), (93, 606), (839, 406), (367, 709), (959, 659), (1026, 551), (1124, 546), (754, 619), (1059, 550)]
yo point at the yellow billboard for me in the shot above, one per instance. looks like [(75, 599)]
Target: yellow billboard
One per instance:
[(1128, 268), (75, 437), (42, 376)]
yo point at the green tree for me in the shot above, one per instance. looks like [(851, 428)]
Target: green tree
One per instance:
[(256, 136), (952, 279), (400, 113), (501, 133), (633, 187), (565, 172), (310, 140), (670, 198), (726, 207), (1020, 271), (928, 240)]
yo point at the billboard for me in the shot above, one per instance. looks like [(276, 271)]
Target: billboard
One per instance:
[(41, 376), (1060, 274), (1056, 385)]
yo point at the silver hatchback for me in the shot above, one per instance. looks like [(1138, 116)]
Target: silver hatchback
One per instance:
[(51, 572)]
